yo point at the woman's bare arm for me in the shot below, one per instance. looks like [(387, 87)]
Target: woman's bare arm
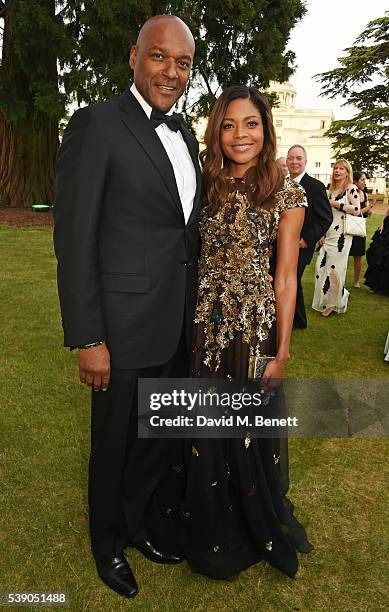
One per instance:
[(285, 286)]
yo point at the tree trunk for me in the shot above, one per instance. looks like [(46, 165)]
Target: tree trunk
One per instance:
[(28, 136), (27, 159)]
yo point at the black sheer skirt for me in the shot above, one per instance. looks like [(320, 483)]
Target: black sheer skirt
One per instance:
[(234, 510)]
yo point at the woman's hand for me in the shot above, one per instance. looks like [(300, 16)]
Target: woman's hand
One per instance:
[(334, 203), (275, 369), (273, 375), (322, 240)]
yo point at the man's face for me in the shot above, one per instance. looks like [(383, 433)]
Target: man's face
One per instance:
[(161, 62), (296, 161)]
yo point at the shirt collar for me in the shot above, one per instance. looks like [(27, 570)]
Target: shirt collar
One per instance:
[(145, 105), (299, 177)]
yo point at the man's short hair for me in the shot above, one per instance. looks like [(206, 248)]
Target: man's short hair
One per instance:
[(298, 146)]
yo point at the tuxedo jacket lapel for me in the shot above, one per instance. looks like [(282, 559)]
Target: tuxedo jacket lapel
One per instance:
[(139, 125)]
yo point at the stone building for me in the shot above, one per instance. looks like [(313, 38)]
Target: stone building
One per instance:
[(305, 126)]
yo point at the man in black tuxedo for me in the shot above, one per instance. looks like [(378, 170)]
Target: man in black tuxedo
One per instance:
[(126, 239), (318, 218)]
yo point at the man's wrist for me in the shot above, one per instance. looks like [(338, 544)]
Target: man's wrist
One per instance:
[(91, 345)]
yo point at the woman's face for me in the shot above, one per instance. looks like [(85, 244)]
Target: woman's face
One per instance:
[(340, 172), (241, 134), (361, 183)]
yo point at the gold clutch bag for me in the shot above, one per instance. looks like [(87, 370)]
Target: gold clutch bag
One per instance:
[(257, 366)]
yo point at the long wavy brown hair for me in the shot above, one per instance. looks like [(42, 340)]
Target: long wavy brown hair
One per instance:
[(266, 176)]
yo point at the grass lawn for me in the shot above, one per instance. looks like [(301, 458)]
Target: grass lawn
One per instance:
[(339, 486)]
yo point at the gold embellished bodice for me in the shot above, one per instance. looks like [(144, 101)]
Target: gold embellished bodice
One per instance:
[(235, 295)]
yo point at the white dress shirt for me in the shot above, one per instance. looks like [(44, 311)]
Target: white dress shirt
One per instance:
[(177, 151), (299, 177)]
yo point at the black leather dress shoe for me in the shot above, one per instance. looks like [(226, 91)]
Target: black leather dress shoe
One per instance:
[(117, 574), (150, 552)]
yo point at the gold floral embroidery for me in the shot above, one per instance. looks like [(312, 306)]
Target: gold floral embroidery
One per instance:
[(235, 294)]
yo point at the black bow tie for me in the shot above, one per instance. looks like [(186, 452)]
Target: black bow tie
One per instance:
[(172, 121)]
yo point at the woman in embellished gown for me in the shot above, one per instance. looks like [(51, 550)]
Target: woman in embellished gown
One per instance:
[(235, 511), (331, 265)]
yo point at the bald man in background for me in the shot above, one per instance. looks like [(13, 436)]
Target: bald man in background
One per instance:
[(126, 239), (318, 218)]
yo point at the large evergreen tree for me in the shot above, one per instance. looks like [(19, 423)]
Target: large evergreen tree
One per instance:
[(237, 41), (362, 79), (30, 103)]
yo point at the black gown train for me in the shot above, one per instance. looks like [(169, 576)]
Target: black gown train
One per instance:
[(377, 255)]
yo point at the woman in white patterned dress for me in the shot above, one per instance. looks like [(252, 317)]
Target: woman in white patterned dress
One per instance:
[(331, 265)]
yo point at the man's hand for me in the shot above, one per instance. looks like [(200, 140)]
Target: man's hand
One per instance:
[(94, 367), (303, 244)]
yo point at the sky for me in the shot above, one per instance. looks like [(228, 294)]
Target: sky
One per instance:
[(318, 40)]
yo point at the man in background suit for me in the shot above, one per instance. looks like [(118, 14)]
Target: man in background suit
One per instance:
[(318, 218), (126, 240)]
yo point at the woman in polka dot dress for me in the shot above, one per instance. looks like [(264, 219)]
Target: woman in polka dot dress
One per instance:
[(331, 265)]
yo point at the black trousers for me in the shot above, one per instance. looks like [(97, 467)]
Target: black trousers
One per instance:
[(124, 471), (300, 316)]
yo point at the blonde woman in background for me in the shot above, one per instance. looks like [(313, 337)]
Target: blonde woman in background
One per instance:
[(331, 264)]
